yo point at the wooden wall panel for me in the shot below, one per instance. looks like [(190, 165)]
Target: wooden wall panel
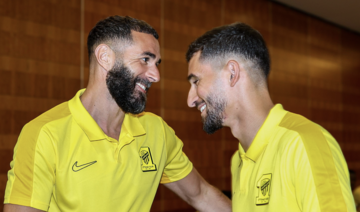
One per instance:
[(289, 55), (254, 13), (315, 71), (325, 89), (351, 99), (40, 59)]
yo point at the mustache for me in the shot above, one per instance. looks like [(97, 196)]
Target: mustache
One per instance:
[(198, 103)]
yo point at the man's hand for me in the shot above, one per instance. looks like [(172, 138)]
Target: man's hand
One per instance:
[(200, 194), (19, 208)]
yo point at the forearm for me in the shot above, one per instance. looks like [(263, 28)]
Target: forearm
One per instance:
[(19, 208), (200, 194), (211, 199)]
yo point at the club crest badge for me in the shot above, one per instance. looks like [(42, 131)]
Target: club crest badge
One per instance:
[(147, 163), (263, 186)]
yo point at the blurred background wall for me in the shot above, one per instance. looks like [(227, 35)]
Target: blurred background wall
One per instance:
[(43, 62)]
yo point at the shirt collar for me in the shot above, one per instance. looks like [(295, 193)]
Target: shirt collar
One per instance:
[(131, 124), (261, 139)]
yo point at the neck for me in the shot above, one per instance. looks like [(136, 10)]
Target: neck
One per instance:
[(104, 110), (249, 117)]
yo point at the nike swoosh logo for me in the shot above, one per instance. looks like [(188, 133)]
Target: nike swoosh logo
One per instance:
[(77, 168)]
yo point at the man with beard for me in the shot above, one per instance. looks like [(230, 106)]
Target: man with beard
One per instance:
[(98, 151), (285, 162)]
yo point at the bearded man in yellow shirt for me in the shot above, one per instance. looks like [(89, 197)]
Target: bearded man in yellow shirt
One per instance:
[(100, 151), (285, 162)]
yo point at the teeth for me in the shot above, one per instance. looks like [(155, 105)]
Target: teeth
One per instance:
[(141, 86), (202, 108)]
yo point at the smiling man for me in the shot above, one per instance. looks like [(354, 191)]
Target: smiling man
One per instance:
[(285, 162), (100, 151)]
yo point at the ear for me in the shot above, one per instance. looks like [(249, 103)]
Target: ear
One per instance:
[(105, 56), (232, 68)]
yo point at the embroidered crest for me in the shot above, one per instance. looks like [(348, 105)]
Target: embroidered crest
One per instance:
[(263, 185), (147, 163)]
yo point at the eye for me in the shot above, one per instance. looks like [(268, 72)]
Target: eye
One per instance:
[(145, 59), (196, 82)]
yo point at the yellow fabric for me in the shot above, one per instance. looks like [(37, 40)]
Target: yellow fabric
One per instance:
[(292, 165), (63, 161)]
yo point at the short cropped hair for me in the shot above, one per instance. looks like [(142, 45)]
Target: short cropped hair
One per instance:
[(234, 39), (117, 27)]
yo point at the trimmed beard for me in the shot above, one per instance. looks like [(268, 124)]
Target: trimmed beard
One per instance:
[(214, 119), (121, 84)]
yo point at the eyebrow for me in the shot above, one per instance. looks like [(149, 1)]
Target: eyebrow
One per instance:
[(153, 56), (191, 76)]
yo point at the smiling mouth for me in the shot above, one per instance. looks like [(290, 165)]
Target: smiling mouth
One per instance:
[(141, 86), (202, 108)]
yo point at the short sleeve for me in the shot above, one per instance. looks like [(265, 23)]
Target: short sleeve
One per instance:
[(177, 165), (302, 177), (320, 174), (32, 175)]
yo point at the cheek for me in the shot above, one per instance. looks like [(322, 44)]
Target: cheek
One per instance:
[(137, 69), (201, 92), (205, 88)]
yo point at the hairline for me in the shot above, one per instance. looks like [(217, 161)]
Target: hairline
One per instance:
[(128, 41), (217, 62), (117, 45)]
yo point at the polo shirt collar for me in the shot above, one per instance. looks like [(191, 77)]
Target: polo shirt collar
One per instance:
[(262, 137), (131, 124)]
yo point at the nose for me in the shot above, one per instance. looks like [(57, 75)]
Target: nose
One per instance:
[(153, 74), (192, 97)]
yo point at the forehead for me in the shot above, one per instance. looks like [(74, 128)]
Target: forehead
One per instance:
[(143, 42), (198, 68)]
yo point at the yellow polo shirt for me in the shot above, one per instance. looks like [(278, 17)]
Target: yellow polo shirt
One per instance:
[(63, 161), (292, 165)]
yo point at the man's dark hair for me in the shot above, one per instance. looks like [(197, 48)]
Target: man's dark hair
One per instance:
[(237, 38), (117, 27)]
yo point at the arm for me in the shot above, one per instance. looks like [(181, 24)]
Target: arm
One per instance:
[(320, 175), (200, 194), (32, 174), (18, 208)]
